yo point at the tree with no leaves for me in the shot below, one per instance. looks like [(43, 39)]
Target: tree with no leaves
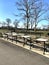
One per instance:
[(8, 20), (39, 9), (47, 19), (3, 24), (16, 23), (31, 9), (24, 7)]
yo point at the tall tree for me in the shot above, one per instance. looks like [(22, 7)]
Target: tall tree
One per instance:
[(24, 7), (47, 19), (8, 20), (39, 9), (16, 23), (31, 23), (25, 25), (32, 9)]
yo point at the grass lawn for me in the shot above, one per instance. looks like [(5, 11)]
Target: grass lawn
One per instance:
[(30, 32)]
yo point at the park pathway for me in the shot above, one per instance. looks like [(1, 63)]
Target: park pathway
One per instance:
[(11, 54)]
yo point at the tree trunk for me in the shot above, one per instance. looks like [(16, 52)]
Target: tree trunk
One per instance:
[(35, 27), (27, 23)]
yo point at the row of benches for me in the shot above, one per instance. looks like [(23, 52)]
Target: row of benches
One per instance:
[(25, 39)]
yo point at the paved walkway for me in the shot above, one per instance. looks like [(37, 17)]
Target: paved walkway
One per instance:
[(28, 47), (11, 54)]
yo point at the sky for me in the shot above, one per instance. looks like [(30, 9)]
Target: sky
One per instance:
[(8, 7)]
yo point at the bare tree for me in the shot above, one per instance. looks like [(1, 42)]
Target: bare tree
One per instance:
[(48, 27), (24, 7), (25, 25), (39, 9), (47, 19), (44, 26), (31, 9), (0, 23), (3, 24), (31, 23), (8, 20), (16, 23)]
